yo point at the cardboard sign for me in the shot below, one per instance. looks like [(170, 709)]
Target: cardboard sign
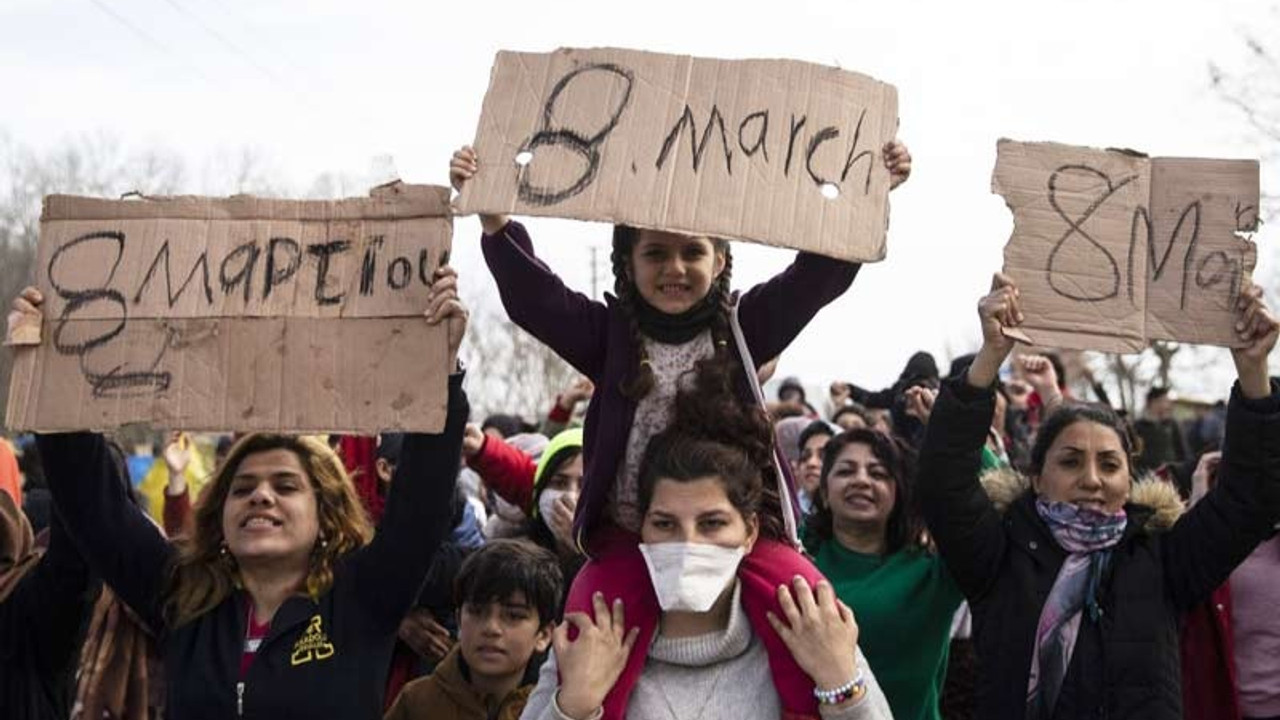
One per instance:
[(238, 314), (773, 151), (1112, 249)]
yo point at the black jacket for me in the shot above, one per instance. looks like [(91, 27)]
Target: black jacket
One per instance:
[(325, 659), (1126, 665), (42, 625)]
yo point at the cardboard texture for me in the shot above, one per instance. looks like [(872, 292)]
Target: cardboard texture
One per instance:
[(240, 314), (741, 149), (1112, 249)]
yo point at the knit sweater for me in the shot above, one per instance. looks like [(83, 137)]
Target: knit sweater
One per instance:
[(723, 674), (904, 603), (671, 365)]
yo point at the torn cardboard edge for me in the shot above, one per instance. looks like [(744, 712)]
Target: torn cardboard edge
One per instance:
[(245, 256), (287, 372), (1113, 249), (393, 201), (737, 149)]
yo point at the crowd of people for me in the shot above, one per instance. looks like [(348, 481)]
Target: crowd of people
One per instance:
[(666, 542)]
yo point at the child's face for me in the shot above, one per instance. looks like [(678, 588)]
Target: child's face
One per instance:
[(497, 639), (674, 272)]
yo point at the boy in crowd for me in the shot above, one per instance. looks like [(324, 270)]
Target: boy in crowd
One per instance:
[(508, 595)]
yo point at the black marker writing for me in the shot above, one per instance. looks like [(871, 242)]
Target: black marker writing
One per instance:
[(278, 275), (247, 253), (201, 264), (586, 146), (759, 146), (324, 252), (369, 264), (714, 121), (117, 379), (1075, 227)]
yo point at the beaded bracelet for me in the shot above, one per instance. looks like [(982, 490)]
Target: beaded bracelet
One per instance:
[(852, 690)]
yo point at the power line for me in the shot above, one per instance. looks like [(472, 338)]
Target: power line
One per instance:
[(284, 85), (257, 39), (225, 41), (122, 20)]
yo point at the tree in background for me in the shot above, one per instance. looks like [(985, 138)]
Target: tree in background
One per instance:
[(98, 164), (1254, 90), (511, 372), (94, 164)]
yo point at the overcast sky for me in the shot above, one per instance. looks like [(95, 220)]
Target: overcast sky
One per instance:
[(328, 86)]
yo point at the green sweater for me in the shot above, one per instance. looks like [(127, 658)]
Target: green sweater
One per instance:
[(904, 604)]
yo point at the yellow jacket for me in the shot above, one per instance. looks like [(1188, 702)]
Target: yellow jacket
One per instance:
[(157, 480)]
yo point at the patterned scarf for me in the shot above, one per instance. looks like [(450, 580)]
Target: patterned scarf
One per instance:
[(1088, 536)]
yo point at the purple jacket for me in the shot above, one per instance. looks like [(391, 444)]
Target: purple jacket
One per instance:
[(595, 338)]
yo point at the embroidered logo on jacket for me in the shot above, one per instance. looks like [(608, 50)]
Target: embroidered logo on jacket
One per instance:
[(313, 645)]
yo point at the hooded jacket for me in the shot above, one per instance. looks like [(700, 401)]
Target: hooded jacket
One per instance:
[(1001, 553), (323, 657), (597, 340), (447, 695)]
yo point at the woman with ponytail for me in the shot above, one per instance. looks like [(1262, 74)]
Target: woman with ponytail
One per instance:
[(672, 323)]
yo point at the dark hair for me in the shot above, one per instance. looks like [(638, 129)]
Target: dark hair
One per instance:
[(1156, 392), (683, 457), (506, 425), (1058, 368), (625, 238), (711, 409), (501, 568), (536, 529), (817, 427), (1070, 413), (791, 384), (852, 409), (389, 447), (904, 524)]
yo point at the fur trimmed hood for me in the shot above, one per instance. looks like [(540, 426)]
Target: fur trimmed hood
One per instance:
[(1005, 485)]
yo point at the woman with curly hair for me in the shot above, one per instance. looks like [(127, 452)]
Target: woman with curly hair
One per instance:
[(279, 603)]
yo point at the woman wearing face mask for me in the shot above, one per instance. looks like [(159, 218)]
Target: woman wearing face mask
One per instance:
[(865, 536), (278, 604), (700, 500), (1076, 593), (673, 318)]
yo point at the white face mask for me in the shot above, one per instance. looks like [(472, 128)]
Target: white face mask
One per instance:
[(547, 503), (690, 576), (546, 511)]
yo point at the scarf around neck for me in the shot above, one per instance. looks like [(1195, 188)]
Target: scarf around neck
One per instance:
[(1088, 536), (675, 329)]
